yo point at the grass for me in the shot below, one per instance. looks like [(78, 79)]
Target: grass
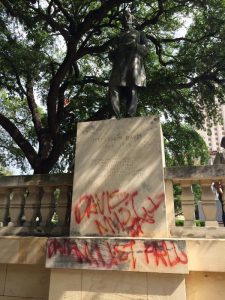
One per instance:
[(198, 223)]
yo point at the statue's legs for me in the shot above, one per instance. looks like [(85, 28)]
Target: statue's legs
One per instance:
[(126, 97), (114, 96), (131, 102)]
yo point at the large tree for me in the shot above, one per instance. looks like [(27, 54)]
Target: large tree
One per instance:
[(184, 146), (55, 68)]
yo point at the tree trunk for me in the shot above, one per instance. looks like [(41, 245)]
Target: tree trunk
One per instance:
[(43, 166)]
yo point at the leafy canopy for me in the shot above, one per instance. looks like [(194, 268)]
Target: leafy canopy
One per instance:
[(55, 69), (184, 146)]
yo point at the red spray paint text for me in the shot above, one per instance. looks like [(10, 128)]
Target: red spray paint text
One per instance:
[(117, 211), (117, 254)]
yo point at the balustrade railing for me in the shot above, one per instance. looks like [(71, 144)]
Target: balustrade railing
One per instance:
[(209, 208), (40, 205), (35, 205)]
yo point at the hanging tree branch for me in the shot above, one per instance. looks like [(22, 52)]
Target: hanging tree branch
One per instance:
[(20, 140)]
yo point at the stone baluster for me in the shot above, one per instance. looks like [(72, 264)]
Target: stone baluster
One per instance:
[(62, 205), (4, 206), (47, 205), (169, 203), (209, 205), (32, 205), (188, 204), (16, 206)]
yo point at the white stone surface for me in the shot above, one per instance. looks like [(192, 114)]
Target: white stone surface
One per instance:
[(27, 281), (118, 185), (166, 287), (205, 286), (114, 286), (93, 285), (65, 285), (3, 270)]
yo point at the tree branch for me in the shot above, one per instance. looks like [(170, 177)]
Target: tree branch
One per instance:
[(50, 21), (64, 11), (92, 79), (158, 50), (103, 113), (155, 18), (184, 39), (33, 109), (40, 15), (95, 49), (201, 78), (9, 8), (56, 151), (54, 88), (19, 139), (96, 15), (61, 97)]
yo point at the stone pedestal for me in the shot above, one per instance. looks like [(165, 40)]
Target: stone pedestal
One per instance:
[(118, 240), (118, 185)]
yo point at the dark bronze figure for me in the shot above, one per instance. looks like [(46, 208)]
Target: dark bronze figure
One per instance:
[(128, 73)]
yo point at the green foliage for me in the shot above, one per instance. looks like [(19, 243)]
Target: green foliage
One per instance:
[(4, 172), (56, 50), (177, 200), (197, 191), (17, 111), (198, 223), (179, 223), (183, 145)]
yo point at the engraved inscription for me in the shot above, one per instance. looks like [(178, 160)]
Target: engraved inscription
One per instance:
[(119, 155)]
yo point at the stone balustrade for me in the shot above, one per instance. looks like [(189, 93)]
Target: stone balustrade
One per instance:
[(186, 177), (35, 205), (39, 205)]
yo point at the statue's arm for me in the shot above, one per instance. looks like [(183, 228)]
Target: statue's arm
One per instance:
[(142, 48), (113, 49)]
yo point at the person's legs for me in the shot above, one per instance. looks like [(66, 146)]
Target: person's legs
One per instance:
[(220, 196)]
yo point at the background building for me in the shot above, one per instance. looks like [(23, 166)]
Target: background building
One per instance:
[(212, 135)]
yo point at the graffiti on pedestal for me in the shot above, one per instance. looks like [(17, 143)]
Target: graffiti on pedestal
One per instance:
[(115, 212), (145, 255)]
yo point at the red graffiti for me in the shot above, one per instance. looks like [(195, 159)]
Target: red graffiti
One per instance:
[(117, 254), (98, 255), (164, 252), (117, 211)]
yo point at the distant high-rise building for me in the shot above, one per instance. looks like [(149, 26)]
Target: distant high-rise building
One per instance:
[(212, 135)]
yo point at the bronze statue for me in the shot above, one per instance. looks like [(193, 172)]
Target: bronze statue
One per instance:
[(128, 73)]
